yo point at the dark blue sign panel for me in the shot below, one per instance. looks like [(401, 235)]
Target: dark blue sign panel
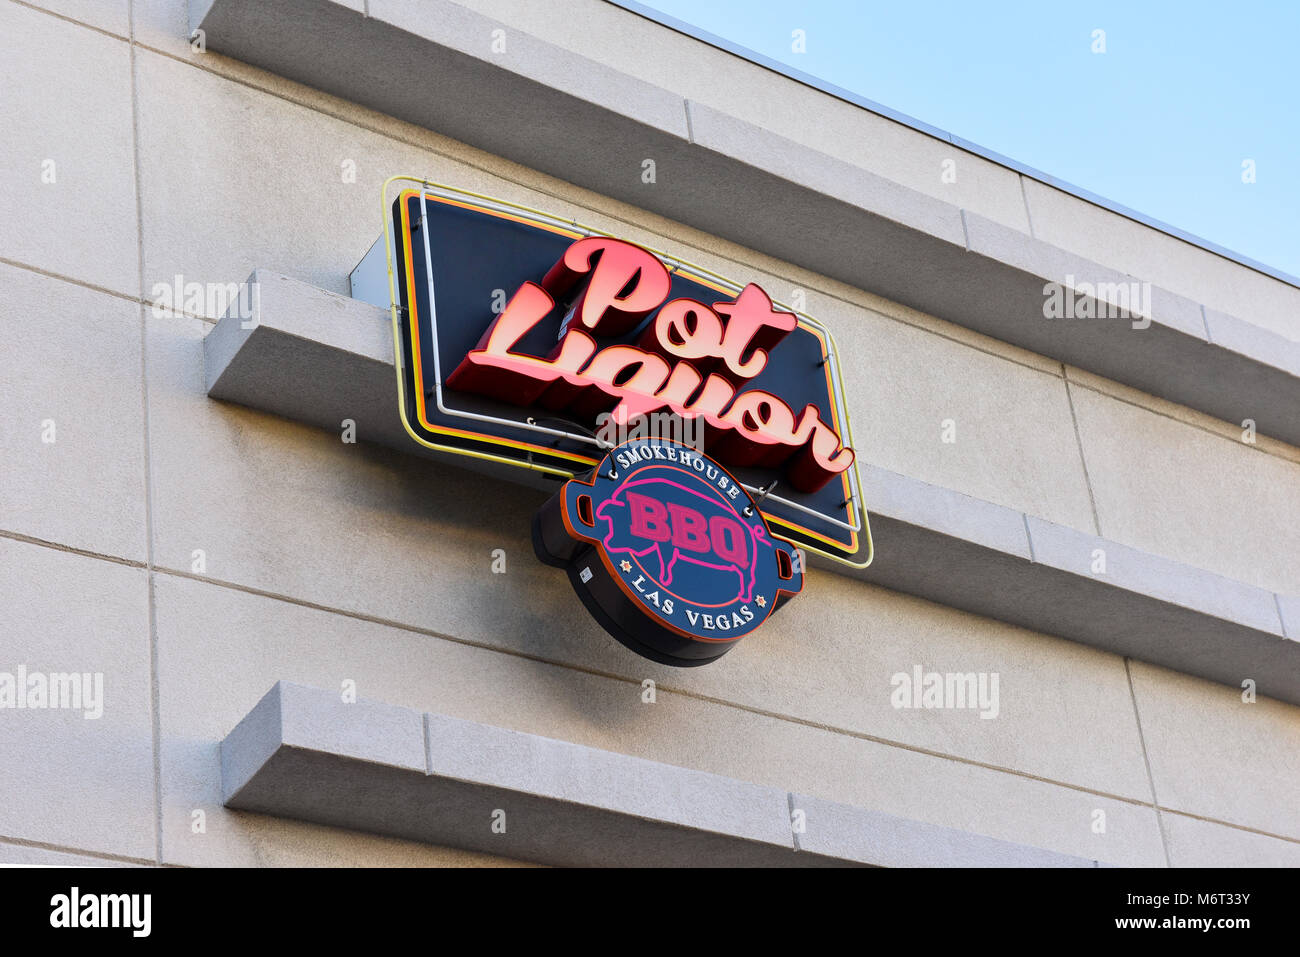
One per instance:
[(463, 263), (668, 552)]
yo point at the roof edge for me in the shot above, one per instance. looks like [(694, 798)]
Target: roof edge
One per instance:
[(840, 93)]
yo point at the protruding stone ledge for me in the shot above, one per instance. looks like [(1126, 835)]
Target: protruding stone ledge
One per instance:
[(303, 753)]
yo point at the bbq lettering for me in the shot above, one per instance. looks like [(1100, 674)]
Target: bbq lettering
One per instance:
[(668, 551), (691, 360)]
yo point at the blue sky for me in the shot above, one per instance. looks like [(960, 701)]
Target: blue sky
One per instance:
[(1161, 122)]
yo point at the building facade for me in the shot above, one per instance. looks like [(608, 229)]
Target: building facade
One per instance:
[(304, 643)]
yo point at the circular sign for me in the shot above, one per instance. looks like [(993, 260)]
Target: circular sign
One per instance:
[(668, 552)]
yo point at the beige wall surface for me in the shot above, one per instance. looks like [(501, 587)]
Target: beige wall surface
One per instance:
[(195, 552)]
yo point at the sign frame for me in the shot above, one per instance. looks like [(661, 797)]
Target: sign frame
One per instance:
[(575, 465)]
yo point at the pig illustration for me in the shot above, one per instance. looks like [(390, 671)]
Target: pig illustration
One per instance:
[(687, 529)]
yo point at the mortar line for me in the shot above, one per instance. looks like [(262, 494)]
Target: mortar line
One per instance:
[(75, 22), (794, 834), (1293, 460), (15, 841), (1146, 759), (1083, 459), (71, 280), (428, 745), (69, 549), (1029, 216), (154, 695), (1193, 816)]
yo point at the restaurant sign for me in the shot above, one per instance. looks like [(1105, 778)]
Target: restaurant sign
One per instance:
[(699, 428)]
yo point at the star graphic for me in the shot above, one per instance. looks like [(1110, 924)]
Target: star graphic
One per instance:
[(762, 602), (625, 565)]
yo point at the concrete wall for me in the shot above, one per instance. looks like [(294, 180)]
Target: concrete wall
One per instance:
[(324, 562)]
